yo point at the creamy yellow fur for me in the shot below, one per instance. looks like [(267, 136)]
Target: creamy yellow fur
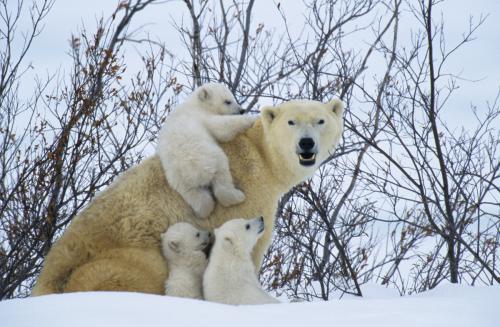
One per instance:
[(114, 244)]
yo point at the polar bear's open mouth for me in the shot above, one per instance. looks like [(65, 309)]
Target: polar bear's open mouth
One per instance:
[(307, 158)]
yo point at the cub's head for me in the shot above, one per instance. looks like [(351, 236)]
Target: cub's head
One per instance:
[(303, 132), (239, 235), (217, 99), (184, 241)]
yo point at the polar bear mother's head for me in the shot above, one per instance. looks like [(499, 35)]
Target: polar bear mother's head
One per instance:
[(308, 132)]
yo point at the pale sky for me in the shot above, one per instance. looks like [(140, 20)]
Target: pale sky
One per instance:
[(477, 61)]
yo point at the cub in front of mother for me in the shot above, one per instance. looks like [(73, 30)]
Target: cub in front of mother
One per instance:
[(230, 275), (114, 244)]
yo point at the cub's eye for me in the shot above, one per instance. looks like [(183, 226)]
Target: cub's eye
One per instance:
[(228, 102), (321, 122), (197, 234), (291, 122), (247, 226)]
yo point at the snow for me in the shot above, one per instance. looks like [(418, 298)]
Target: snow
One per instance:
[(448, 305)]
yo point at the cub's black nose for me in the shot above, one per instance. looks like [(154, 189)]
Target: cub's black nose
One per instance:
[(306, 143), (242, 111)]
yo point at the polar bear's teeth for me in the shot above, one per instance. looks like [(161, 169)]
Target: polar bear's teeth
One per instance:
[(313, 157)]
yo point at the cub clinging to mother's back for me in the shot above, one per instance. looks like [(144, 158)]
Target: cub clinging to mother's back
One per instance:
[(192, 159)]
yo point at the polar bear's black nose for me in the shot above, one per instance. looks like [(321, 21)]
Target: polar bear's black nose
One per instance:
[(242, 111), (261, 219), (306, 143)]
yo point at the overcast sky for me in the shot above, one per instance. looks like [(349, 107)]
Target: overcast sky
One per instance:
[(477, 61)]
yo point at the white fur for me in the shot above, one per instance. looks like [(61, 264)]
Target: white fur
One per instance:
[(188, 149), (230, 276), (183, 247)]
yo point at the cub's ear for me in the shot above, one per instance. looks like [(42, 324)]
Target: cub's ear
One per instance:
[(203, 93), (269, 114), (336, 106), (174, 246), (228, 240)]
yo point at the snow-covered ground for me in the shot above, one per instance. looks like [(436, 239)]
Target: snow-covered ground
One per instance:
[(445, 306)]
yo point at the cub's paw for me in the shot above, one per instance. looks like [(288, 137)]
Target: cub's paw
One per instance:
[(250, 120), (204, 207), (229, 196)]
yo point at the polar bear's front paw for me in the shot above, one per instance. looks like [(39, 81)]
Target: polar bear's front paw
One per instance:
[(229, 196)]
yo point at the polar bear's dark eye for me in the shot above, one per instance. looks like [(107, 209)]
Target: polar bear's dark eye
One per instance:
[(247, 226), (197, 234), (228, 102), (321, 122), (291, 122)]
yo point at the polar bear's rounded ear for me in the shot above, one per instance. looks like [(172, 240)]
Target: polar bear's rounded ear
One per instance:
[(336, 106), (269, 114), (228, 239), (174, 246), (203, 94), (226, 236)]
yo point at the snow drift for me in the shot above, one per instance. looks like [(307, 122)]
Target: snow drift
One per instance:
[(446, 306)]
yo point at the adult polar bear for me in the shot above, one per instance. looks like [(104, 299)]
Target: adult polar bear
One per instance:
[(114, 244)]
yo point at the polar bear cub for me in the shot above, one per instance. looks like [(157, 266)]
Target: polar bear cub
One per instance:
[(230, 276), (185, 249), (193, 161)]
